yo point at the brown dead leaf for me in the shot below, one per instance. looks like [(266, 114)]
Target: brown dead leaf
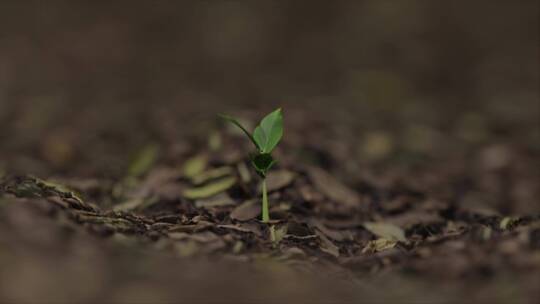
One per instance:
[(204, 237), (411, 218), (309, 194), (243, 172), (199, 226), (276, 180), (160, 181), (293, 252), (220, 200), (129, 205), (211, 174), (235, 228), (338, 235), (210, 189), (379, 245), (386, 231), (327, 246), (333, 188), (247, 211)]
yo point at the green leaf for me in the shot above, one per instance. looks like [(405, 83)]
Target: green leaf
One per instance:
[(262, 163), (144, 159), (236, 123), (195, 166), (269, 132)]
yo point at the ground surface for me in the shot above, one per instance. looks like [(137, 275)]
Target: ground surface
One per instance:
[(181, 223), (408, 170)]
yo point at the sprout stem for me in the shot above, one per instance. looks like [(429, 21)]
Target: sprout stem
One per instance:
[(265, 212)]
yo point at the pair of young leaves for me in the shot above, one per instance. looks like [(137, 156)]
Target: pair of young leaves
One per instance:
[(265, 137)]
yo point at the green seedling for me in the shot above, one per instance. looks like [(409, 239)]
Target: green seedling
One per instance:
[(265, 137)]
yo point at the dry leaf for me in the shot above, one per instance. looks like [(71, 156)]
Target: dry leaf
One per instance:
[(379, 245), (276, 180), (210, 189), (333, 189), (386, 231), (247, 211), (216, 173), (222, 199)]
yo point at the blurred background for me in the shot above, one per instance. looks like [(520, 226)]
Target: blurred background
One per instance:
[(430, 99), (83, 84)]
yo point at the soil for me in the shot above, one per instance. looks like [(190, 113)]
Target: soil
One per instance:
[(176, 228), (120, 187)]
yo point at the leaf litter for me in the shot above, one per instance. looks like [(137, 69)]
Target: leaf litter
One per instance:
[(211, 209)]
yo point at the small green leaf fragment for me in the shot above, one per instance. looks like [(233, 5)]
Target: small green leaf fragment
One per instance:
[(144, 159), (195, 166), (214, 141), (386, 231), (216, 173), (508, 222), (379, 245), (210, 189)]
